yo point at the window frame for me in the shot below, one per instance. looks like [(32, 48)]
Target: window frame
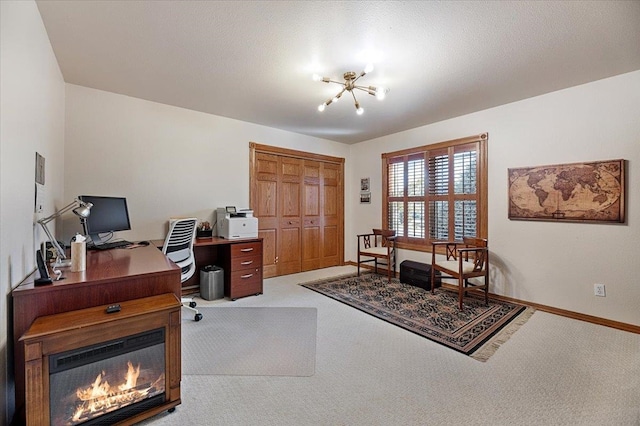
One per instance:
[(479, 142)]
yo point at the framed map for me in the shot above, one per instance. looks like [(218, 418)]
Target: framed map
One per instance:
[(578, 192)]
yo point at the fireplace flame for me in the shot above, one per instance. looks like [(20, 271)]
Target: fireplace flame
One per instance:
[(131, 378), (101, 398)]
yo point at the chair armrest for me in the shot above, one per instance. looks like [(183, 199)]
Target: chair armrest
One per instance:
[(462, 250), (364, 235)]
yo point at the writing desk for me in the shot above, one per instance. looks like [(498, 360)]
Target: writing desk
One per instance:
[(241, 260), (112, 276)]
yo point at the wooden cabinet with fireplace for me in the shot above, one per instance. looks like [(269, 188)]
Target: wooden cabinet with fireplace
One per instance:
[(92, 365)]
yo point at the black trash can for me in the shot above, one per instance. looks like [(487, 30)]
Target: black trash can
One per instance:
[(211, 282), (418, 274)]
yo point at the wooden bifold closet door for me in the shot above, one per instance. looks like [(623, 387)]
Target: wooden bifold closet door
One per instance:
[(298, 199)]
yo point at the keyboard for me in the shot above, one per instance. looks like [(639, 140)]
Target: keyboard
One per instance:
[(112, 245)]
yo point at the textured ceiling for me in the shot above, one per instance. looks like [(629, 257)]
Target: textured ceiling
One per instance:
[(253, 61)]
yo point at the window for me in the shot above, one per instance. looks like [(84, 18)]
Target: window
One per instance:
[(436, 192)]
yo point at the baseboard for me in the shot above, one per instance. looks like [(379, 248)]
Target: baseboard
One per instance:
[(544, 308)]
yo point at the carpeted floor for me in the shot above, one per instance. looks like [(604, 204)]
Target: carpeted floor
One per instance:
[(476, 331), (552, 371), (250, 341)]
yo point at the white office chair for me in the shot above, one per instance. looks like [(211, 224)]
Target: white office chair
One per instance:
[(178, 246)]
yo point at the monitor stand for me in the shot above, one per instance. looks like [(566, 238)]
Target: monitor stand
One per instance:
[(97, 241)]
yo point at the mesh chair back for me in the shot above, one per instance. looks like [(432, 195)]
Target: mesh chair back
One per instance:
[(178, 246)]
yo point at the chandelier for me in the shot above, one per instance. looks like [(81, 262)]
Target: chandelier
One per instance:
[(349, 85)]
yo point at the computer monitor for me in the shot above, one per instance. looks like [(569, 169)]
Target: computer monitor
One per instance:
[(108, 214)]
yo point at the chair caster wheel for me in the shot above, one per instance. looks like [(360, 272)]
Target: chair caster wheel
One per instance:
[(198, 317), (192, 304), (171, 410)]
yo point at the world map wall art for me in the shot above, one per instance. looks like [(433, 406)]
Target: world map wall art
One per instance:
[(578, 192)]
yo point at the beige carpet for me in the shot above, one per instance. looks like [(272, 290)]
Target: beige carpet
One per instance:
[(258, 341), (553, 371)]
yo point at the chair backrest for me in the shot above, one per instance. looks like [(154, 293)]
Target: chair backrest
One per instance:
[(480, 257), (178, 245), (384, 234)]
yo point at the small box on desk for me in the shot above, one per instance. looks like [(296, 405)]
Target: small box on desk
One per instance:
[(205, 233), (418, 274)]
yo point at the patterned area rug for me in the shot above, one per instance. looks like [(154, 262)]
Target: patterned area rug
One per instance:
[(476, 331)]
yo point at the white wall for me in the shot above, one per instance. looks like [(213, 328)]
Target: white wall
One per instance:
[(554, 264), (31, 120), (167, 161)]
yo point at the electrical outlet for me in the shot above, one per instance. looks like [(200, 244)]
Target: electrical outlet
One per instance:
[(598, 290)]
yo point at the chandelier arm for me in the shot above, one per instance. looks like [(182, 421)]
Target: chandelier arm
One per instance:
[(365, 89), (354, 96)]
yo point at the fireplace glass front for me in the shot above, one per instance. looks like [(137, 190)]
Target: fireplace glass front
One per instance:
[(100, 384)]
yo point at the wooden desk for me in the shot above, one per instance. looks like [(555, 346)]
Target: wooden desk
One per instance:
[(112, 276), (240, 258)]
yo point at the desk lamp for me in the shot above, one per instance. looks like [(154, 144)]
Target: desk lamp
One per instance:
[(82, 210)]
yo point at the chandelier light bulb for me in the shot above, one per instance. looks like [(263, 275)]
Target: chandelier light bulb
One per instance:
[(368, 68), (316, 77), (359, 111), (381, 93), (321, 107)]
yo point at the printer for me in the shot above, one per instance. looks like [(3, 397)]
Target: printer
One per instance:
[(232, 223)]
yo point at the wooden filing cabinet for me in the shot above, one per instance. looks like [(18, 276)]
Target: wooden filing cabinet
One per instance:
[(245, 270)]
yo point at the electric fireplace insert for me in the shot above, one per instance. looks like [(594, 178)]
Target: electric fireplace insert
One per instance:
[(108, 381)]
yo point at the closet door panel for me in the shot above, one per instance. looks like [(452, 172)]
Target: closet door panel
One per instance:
[(312, 216), (265, 208), (332, 215), (289, 257), (290, 251)]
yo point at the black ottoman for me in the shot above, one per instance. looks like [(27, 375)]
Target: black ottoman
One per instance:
[(418, 274)]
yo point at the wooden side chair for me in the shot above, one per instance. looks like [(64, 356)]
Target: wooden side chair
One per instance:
[(466, 259), (378, 247)]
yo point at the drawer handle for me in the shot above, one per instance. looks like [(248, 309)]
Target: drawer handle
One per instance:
[(290, 223), (246, 276), (247, 249), (248, 262)]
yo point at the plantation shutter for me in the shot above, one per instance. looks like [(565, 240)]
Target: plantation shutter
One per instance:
[(436, 192)]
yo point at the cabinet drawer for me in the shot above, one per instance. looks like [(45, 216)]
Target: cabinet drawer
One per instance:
[(246, 262), (246, 275), (246, 283), (246, 249)]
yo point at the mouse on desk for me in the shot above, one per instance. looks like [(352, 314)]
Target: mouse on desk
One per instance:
[(144, 243)]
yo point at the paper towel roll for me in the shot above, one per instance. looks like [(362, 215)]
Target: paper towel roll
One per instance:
[(78, 256)]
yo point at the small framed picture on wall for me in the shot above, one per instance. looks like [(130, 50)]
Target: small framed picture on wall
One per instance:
[(365, 197), (364, 185)]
